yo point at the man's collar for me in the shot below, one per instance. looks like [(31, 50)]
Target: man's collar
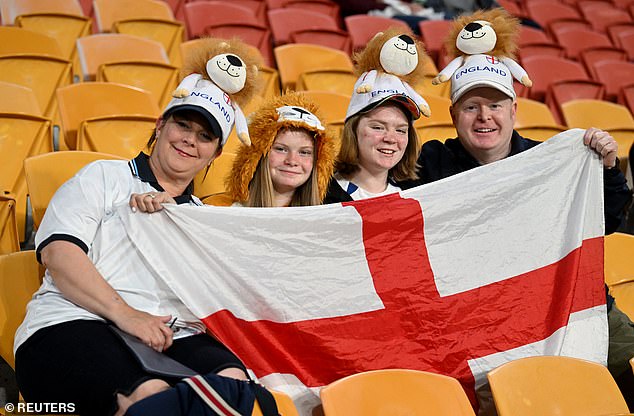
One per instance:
[(140, 167)]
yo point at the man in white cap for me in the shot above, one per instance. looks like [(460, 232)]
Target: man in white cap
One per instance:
[(483, 112)]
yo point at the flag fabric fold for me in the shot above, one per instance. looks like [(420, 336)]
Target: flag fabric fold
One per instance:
[(454, 277)]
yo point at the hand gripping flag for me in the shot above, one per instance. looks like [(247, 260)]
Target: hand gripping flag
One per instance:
[(454, 277)]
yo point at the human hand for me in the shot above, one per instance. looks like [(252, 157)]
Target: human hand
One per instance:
[(152, 330), (602, 143), (150, 201)]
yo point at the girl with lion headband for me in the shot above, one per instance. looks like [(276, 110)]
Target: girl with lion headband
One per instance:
[(97, 291), (290, 160)]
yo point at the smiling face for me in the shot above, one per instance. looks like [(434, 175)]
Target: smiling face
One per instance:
[(476, 37), (484, 119), (291, 160), (382, 136), (184, 146)]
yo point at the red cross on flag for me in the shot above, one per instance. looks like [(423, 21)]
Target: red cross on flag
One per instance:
[(454, 277)]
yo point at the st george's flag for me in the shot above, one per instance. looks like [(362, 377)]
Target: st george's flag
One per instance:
[(455, 277)]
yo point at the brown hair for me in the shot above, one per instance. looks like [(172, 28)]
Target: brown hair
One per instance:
[(348, 159)]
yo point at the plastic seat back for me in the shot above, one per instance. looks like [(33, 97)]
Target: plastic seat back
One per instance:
[(540, 133), (545, 70), (593, 55), (327, 7), (439, 110), (21, 136), (16, 40), (47, 172), (560, 92), (433, 34), (602, 17), (596, 113), (434, 131), (157, 78), (285, 21), (332, 105), (285, 405), (9, 239), (11, 9), (576, 40), (334, 80), (293, 59), (529, 35), (99, 49), (213, 182), (627, 43), (616, 31), (336, 39), (626, 97), (615, 75), (395, 392), (533, 113), (107, 12), (42, 74), (200, 14), (63, 20), (543, 12), (122, 135), (554, 385), (20, 277), (168, 33), (254, 34), (363, 27), (16, 98), (618, 253), (79, 102)]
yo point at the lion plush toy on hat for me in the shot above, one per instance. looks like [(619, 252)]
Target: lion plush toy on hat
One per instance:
[(493, 32), (395, 53), (232, 66)]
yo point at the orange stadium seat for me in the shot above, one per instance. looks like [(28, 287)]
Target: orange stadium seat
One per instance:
[(16, 40), (9, 239), (20, 276), (549, 385), (95, 50), (79, 102), (47, 172), (109, 11), (63, 20), (395, 391), (294, 58)]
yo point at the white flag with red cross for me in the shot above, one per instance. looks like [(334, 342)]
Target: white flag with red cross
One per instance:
[(454, 277)]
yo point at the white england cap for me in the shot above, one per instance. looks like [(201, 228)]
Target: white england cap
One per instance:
[(386, 87), (481, 71), (211, 102)]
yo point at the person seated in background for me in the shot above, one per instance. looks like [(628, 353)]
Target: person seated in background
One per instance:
[(67, 349), (379, 143), (483, 110), (289, 162)]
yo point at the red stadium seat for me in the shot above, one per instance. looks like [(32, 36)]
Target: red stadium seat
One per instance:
[(576, 40), (615, 75), (363, 27), (544, 70), (543, 12), (589, 56), (285, 21), (200, 14)]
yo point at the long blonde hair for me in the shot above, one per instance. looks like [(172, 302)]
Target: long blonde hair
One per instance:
[(261, 189)]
